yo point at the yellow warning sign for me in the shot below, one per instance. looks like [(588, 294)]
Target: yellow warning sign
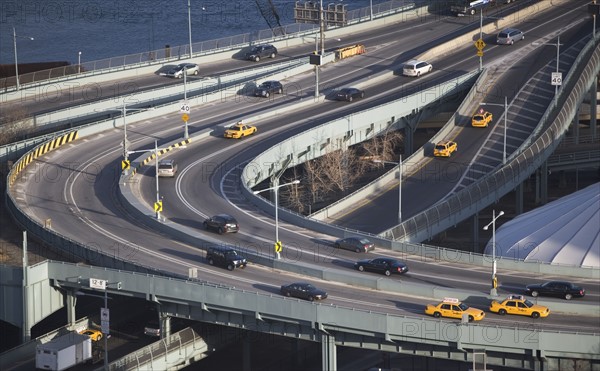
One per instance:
[(158, 206), (185, 117), (479, 53), (479, 44), (278, 246), (125, 164)]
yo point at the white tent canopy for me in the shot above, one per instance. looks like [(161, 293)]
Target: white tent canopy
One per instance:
[(565, 231)]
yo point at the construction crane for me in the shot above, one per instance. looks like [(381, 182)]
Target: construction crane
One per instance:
[(269, 13)]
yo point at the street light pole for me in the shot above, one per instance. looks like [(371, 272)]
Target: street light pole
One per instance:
[(190, 25), (16, 61), (494, 290), (557, 65), (275, 188), (79, 62), (505, 105), (185, 131)]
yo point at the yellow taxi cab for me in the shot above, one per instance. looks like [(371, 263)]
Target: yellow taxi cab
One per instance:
[(453, 308), (517, 304), (95, 335), (444, 148), (239, 130), (481, 119)]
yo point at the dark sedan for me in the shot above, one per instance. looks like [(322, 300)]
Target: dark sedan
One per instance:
[(560, 289), (303, 290), (357, 244), (349, 94), (222, 223), (267, 88), (386, 266)]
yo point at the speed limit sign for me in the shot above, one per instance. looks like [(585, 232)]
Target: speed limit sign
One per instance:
[(556, 78), (184, 107)]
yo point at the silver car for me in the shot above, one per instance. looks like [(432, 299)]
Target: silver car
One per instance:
[(167, 168), (177, 71), (509, 36)]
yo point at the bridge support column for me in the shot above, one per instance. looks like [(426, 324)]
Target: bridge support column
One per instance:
[(328, 357), (593, 109), (476, 228), (71, 299), (519, 198), (165, 326), (575, 125), (544, 183), (246, 353)]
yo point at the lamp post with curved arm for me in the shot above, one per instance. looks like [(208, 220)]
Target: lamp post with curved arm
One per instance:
[(16, 61), (494, 290)]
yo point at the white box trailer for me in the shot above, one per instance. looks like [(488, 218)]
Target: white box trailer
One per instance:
[(63, 352)]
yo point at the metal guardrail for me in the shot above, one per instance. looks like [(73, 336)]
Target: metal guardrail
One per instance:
[(186, 343), (179, 52)]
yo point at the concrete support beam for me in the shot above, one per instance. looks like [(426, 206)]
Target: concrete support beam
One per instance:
[(519, 198), (594, 109), (328, 358), (71, 301)]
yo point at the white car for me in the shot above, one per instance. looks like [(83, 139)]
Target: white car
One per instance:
[(416, 68), (189, 68)]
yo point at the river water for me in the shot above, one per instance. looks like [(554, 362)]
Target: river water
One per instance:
[(101, 29)]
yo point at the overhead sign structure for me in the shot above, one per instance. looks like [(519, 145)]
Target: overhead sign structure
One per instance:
[(556, 78)]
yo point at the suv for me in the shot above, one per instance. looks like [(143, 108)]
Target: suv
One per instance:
[(261, 51), (509, 36), (416, 68), (226, 257), (267, 88), (222, 223), (167, 168), (444, 148)]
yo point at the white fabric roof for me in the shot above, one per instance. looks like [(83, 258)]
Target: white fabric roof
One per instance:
[(565, 231)]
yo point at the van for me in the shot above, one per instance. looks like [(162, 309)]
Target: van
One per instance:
[(225, 257), (167, 168), (509, 36)]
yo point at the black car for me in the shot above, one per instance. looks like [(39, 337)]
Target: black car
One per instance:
[(303, 290), (261, 51), (349, 94), (222, 223), (560, 289), (225, 257), (386, 266), (267, 88), (358, 244)]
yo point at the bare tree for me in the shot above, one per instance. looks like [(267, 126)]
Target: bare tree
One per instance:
[(15, 123), (383, 147)]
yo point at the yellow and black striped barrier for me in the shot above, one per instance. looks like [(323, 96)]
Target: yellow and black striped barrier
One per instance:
[(41, 150), (160, 153)]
